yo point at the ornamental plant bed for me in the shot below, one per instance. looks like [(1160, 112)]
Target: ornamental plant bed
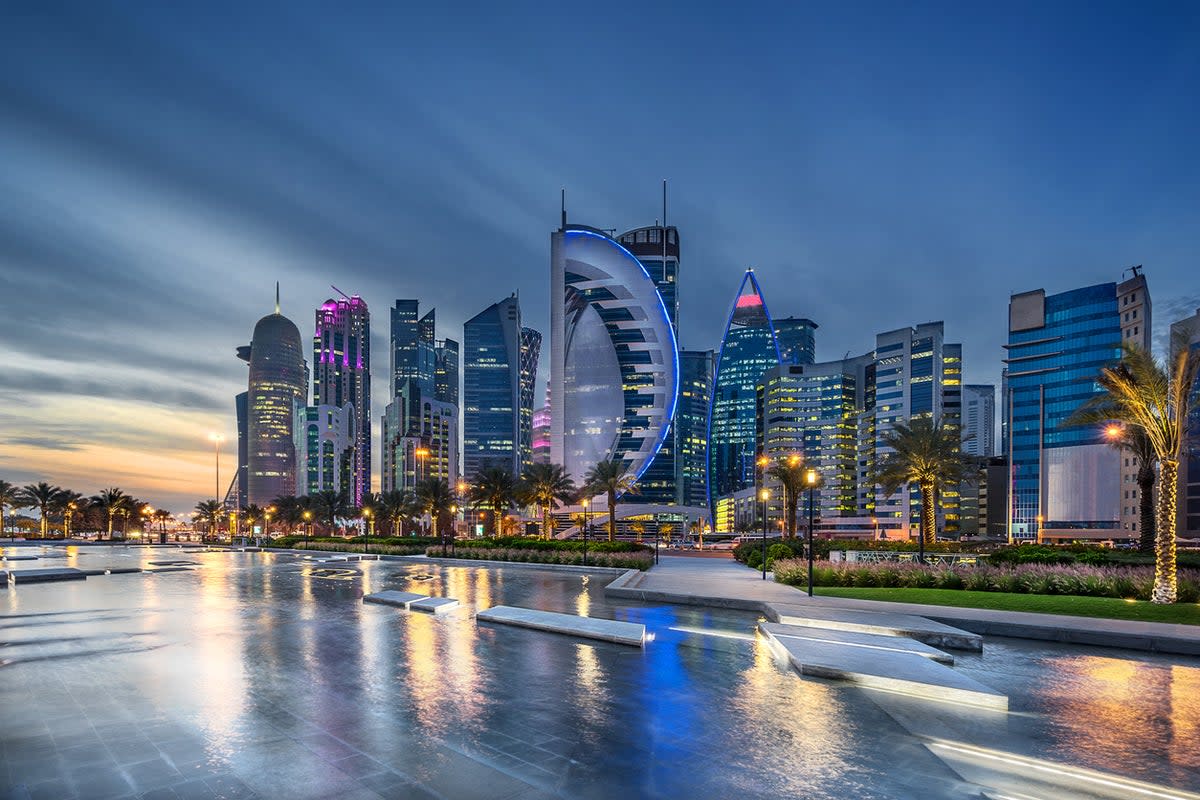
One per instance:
[(624, 560), (1053, 579)]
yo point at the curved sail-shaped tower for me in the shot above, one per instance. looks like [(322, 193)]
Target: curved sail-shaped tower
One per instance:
[(748, 349), (614, 368)]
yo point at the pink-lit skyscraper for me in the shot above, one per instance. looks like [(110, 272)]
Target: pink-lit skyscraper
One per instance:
[(342, 375)]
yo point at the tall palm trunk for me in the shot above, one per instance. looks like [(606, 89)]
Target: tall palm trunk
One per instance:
[(1145, 482), (612, 515), (1164, 557), (546, 520), (928, 517), (45, 522)]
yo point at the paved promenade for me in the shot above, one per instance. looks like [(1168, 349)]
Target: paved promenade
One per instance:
[(728, 584)]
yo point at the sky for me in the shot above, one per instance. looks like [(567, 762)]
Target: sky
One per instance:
[(879, 165)]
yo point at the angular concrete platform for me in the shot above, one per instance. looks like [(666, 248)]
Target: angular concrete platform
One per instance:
[(170, 569), (923, 630), (20, 558), (889, 670), (871, 641), (434, 605), (393, 598), (174, 563), (46, 575), (606, 630)]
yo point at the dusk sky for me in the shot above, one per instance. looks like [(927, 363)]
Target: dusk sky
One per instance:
[(162, 165)]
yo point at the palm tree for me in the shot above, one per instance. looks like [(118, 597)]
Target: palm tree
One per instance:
[(68, 504), (792, 475), (930, 455), (494, 488), (1157, 399), (547, 485), (328, 505), (110, 502), (43, 497), (289, 511), (161, 516), (210, 512), (640, 529), (398, 506), (609, 477), (435, 499), (9, 495), (252, 514)]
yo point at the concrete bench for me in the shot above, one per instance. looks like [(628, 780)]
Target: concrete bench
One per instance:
[(46, 575)]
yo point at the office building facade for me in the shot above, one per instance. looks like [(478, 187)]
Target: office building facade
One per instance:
[(614, 368), (1186, 333), (797, 338), (979, 420), (326, 440), (531, 349), (691, 427), (1067, 477), (342, 377), (492, 389)]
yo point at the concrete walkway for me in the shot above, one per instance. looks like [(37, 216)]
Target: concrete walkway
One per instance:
[(728, 584)]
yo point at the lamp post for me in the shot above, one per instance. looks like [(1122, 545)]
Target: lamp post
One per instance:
[(450, 533), (370, 529), (810, 477), (308, 515), (875, 528), (216, 439), (70, 513), (422, 453), (147, 515), (267, 523), (586, 504), (764, 495)]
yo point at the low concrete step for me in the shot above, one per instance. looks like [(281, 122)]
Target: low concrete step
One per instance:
[(856, 639), (391, 597), (889, 670), (20, 558), (607, 630), (434, 605), (46, 575), (924, 630)]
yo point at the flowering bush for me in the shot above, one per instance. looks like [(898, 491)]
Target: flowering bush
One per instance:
[(636, 560), (1069, 579)]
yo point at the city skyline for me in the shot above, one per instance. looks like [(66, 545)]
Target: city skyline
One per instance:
[(126, 224)]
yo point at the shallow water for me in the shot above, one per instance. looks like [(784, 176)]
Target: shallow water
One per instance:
[(251, 675)]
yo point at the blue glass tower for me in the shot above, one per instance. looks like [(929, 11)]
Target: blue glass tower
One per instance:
[(492, 389)]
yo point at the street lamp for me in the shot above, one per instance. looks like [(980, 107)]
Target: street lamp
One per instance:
[(422, 453), (586, 503), (147, 514), (810, 477), (764, 495), (371, 529), (307, 527), (453, 519), (267, 523), (216, 439), (70, 513)]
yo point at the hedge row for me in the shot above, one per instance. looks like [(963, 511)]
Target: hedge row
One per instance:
[(626, 560)]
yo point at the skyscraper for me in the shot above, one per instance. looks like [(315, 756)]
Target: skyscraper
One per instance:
[(1186, 333), (797, 340), (691, 427), (1068, 477), (614, 368), (531, 348), (446, 374), (325, 446), (413, 345), (541, 432), (979, 420), (342, 376), (492, 389), (242, 405), (278, 387), (748, 349), (657, 249)]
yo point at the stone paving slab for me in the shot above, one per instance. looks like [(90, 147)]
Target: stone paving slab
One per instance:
[(45, 575), (924, 630), (856, 639), (434, 605), (174, 563), (114, 571), (607, 630), (890, 670), (20, 558), (391, 597), (170, 569)]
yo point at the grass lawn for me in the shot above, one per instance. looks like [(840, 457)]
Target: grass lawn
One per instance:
[(1107, 607)]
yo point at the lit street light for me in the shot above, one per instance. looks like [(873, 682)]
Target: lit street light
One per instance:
[(370, 531), (308, 515), (764, 495), (810, 477)]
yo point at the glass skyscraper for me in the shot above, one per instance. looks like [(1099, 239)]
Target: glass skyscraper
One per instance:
[(614, 368), (797, 340), (342, 377), (691, 427), (531, 348), (1186, 333), (492, 389), (1067, 477), (748, 349)]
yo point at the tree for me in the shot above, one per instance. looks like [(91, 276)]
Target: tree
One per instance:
[(435, 499), (328, 505), (161, 516), (289, 511), (793, 476), (210, 512), (43, 497), (494, 488), (640, 529), (610, 478), (398, 506), (252, 514), (930, 455), (67, 505), (547, 486), (9, 495), (1157, 399), (110, 502)]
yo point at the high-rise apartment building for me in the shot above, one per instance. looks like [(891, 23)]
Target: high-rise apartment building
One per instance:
[(797, 338), (342, 377), (278, 388), (541, 432), (492, 389), (748, 349), (242, 406), (979, 420), (326, 441), (1067, 477), (614, 368), (531, 348), (446, 372), (1186, 333), (413, 345), (691, 427)]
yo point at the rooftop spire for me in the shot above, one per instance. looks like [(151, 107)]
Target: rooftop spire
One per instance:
[(276, 297)]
